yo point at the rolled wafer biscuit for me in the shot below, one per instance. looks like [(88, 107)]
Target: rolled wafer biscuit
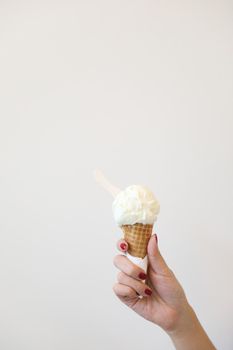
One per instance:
[(137, 236)]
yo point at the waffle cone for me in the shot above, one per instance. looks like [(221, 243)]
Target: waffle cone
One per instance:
[(137, 236)]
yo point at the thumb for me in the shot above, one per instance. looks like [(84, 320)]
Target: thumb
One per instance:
[(156, 261)]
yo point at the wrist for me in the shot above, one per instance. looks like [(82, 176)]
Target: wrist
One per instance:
[(189, 333), (187, 322)]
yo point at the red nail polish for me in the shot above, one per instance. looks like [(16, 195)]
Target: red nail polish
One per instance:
[(123, 246), (142, 275), (156, 238), (148, 291)]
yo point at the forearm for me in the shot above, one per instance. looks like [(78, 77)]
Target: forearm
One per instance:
[(192, 336)]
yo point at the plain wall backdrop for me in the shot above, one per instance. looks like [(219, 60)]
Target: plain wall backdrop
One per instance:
[(142, 90)]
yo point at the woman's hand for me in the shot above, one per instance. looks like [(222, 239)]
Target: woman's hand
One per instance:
[(158, 297), (164, 301)]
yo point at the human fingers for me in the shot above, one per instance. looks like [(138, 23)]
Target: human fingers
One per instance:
[(156, 261), (130, 269), (140, 287), (126, 294)]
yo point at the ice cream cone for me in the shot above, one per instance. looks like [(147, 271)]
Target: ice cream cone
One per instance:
[(137, 236)]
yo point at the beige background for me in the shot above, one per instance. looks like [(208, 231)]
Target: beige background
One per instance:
[(142, 90)]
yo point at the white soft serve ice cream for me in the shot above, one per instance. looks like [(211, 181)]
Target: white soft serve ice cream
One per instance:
[(135, 204)]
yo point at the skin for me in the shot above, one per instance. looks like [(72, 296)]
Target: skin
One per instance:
[(159, 298)]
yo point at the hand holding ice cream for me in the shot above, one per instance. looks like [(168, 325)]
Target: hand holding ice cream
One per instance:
[(155, 294)]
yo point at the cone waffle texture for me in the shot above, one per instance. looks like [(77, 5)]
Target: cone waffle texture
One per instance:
[(137, 236)]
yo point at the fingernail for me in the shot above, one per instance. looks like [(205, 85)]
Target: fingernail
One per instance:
[(148, 291), (142, 275), (123, 246), (156, 238)]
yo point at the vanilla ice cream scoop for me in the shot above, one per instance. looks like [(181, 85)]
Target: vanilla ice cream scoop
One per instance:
[(135, 204)]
